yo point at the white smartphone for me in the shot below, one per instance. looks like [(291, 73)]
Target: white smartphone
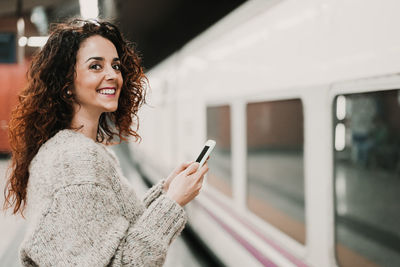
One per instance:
[(208, 147)]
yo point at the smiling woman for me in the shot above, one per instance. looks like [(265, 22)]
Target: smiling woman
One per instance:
[(58, 95), (80, 209)]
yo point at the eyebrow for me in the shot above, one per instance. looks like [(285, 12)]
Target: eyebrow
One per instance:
[(101, 59)]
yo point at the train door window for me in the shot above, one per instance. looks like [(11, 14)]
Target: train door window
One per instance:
[(219, 129), (275, 169), (367, 178)]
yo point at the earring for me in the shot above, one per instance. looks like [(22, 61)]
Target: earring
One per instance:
[(69, 93)]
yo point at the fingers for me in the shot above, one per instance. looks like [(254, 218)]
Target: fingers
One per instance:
[(192, 168), (203, 170), (200, 181), (182, 167), (185, 165)]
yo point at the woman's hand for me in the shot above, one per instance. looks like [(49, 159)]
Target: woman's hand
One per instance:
[(174, 173), (187, 184)]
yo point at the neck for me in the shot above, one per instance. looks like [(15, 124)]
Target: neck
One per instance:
[(87, 123)]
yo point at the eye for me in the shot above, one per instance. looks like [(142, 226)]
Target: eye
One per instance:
[(117, 66), (95, 67)]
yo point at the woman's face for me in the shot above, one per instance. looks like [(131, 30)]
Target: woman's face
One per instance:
[(98, 78)]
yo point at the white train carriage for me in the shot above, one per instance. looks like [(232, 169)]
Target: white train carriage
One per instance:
[(302, 98)]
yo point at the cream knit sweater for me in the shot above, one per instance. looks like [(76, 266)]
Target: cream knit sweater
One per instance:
[(81, 211)]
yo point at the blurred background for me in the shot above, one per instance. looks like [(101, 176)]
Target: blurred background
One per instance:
[(159, 28), (302, 98)]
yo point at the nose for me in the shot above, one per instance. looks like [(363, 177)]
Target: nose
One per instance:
[(110, 73)]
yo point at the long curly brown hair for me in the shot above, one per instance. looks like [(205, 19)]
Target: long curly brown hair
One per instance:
[(45, 107)]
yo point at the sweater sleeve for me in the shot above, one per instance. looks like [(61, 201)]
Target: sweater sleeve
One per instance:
[(159, 225), (83, 226), (153, 193)]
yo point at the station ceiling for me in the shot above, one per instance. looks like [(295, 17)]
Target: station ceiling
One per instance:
[(158, 27)]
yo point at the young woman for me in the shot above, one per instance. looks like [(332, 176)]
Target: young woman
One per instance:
[(85, 87)]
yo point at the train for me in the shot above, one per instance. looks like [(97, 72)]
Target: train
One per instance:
[(303, 101)]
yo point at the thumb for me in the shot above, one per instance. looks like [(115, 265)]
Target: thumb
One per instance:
[(183, 166), (192, 168)]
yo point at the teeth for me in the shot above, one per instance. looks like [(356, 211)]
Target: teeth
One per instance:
[(107, 91)]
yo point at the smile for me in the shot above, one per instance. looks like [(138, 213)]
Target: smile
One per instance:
[(106, 91)]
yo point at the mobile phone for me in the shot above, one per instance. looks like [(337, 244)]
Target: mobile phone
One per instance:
[(208, 147)]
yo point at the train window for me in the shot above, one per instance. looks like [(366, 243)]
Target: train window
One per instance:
[(275, 169), (367, 178), (219, 129)]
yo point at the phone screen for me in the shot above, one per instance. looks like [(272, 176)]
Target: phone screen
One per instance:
[(200, 157)]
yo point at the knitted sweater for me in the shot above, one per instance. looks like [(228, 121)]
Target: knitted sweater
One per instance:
[(81, 211)]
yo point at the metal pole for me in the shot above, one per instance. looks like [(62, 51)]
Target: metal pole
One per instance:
[(20, 32)]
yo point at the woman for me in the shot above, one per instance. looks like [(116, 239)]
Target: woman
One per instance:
[(84, 87)]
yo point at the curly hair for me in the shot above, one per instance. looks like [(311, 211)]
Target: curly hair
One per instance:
[(44, 106)]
